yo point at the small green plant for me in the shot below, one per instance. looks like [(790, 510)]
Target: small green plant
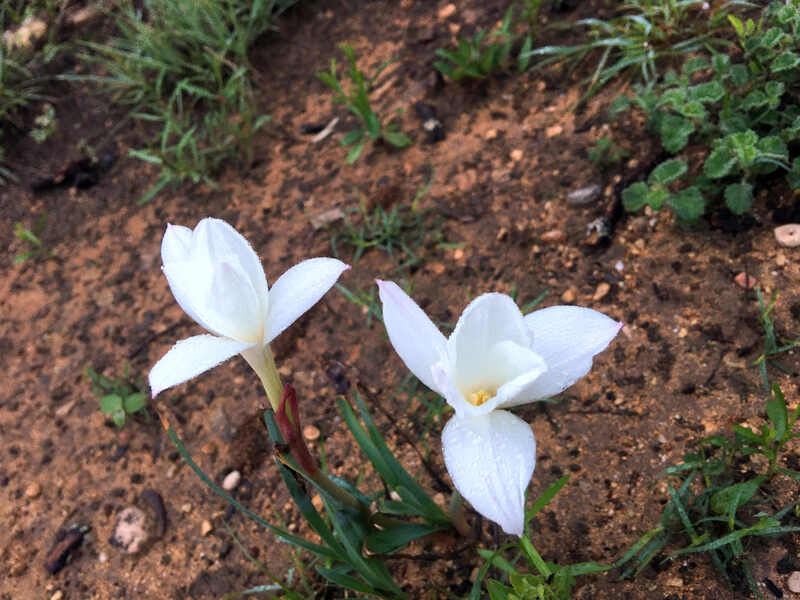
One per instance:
[(483, 55), (772, 346), (746, 115), (120, 397), (718, 507), (182, 66), (356, 99), (541, 580), (45, 124), (646, 35), (31, 239), (606, 153)]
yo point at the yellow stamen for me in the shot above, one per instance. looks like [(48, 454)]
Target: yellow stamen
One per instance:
[(479, 397)]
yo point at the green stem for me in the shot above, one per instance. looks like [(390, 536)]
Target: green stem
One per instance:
[(261, 359), (457, 514)]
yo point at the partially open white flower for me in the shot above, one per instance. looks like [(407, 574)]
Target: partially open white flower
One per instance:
[(495, 358), (218, 280)]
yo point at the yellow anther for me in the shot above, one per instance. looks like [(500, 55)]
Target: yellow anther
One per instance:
[(479, 397)]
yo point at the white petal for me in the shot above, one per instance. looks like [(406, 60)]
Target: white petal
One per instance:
[(176, 243), (488, 320), (297, 290), (219, 296), (567, 337), (414, 336), (490, 460), (219, 240), (190, 357)]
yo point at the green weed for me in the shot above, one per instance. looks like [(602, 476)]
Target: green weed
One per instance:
[(182, 65), (481, 56), (356, 100), (746, 115), (606, 153), (31, 239), (120, 397), (645, 36)]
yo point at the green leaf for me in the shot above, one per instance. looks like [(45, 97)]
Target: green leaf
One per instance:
[(738, 494), (110, 404), (740, 75), (694, 64), (719, 163), (346, 581), (755, 99), (711, 91), (545, 497), (743, 145), (355, 151), (774, 90), (397, 138), (634, 197), (351, 137), (135, 402), (394, 537), (721, 64), (739, 197), (667, 171), (693, 110), (675, 132), (118, 416), (619, 105), (688, 204), (773, 146), (793, 176), (776, 411), (498, 591)]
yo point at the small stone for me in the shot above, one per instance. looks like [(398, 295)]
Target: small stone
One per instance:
[(780, 260), (502, 234), (186, 508), (231, 480), (553, 131), (57, 595), (447, 11), (619, 266), (458, 254), (602, 291), (102, 557), (554, 236), (793, 582), (326, 218), (569, 296), (206, 527), (491, 134), (516, 155), (788, 235), (674, 582), (209, 448), (311, 433), (130, 531), (63, 410), (33, 490), (585, 195), (439, 498), (437, 268), (317, 501), (745, 280)]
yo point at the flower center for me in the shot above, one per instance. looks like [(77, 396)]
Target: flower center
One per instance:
[(478, 397)]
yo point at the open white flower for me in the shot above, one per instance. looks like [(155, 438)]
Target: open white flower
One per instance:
[(495, 358), (218, 280)]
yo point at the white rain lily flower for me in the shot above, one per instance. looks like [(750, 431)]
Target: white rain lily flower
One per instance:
[(217, 278), (495, 358)]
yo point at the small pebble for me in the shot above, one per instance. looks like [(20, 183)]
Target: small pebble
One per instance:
[(491, 134), (744, 280), (311, 433), (231, 480), (206, 527), (619, 266), (502, 234), (33, 490), (780, 260), (186, 508), (447, 11), (568, 296), (130, 531), (317, 501), (585, 195), (554, 236), (553, 131), (674, 582), (602, 291), (102, 557), (58, 595), (788, 235), (516, 155), (458, 254), (794, 582), (439, 498)]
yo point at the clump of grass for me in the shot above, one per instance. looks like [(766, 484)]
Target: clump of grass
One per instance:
[(182, 65), (31, 240)]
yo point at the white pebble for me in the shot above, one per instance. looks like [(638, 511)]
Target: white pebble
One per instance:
[(231, 480)]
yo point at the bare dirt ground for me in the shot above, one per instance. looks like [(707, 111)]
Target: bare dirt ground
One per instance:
[(514, 148)]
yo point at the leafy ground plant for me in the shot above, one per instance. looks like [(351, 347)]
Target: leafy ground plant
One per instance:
[(356, 99), (120, 397), (182, 65), (641, 38), (481, 56), (746, 114)]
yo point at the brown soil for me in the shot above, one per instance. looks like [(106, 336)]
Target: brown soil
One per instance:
[(515, 147)]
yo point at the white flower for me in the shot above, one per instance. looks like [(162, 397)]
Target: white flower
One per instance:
[(494, 359), (218, 280)]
